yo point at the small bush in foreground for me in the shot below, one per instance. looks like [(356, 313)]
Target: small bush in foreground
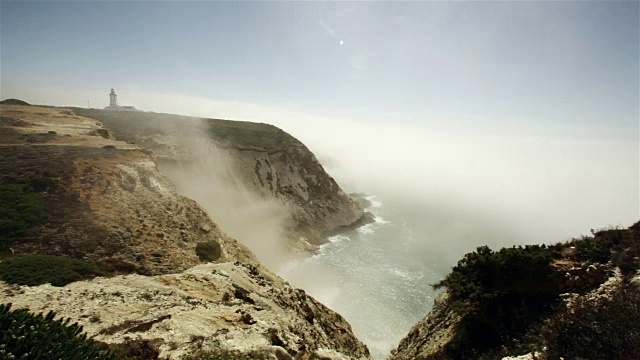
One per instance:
[(27, 336), (35, 270), (208, 251)]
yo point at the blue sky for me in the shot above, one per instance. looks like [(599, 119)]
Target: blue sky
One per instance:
[(487, 62)]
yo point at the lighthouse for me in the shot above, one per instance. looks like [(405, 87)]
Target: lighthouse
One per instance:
[(113, 103), (113, 99)]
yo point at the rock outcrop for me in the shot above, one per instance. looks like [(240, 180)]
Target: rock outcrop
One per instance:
[(213, 306), (258, 158), (430, 336)]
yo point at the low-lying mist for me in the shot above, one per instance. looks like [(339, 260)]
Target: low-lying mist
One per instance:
[(504, 188), (206, 174)]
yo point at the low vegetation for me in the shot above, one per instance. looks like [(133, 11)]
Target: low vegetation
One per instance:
[(14, 102), (505, 296), (35, 270), (29, 336), (499, 295), (219, 354), (226, 132), (135, 349), (208, 251), (243, 133), (484, 275), (19, 210), (608, 328), (619, 246)]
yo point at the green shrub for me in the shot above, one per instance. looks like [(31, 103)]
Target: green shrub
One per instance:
[(593, 250), (485, 275), (503, 297), (219, 354), (608, 329), (135, 349), (499, 296), (27, 336), (620, 246), (34, 270), (208, 251), (19, 210)]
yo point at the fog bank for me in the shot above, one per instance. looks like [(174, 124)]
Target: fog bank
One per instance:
[(537, 181)]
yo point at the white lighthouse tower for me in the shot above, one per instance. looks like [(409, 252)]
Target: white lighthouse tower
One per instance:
[(113, 103), (113, 99)]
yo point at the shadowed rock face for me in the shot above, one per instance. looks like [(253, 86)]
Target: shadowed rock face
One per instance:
[(429, 337), (258, 158)]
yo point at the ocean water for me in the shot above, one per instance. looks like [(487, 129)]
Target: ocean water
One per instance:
[(377, 277)]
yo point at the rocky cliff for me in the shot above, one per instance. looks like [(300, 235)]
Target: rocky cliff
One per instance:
[(429, 336), (255, 158), (579, 299), (104, 200), (224, 305), (99, 206)]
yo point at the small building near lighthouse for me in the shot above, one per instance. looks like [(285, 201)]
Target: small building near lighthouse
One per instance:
[(113, 103)]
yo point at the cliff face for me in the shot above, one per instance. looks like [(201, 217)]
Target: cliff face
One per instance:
[(295, 178), (105, 201), (579, 299), (428, 338), (258, 159)]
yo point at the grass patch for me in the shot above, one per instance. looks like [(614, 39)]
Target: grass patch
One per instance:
[(35, 270), (244, 133), (126, 125), (208, 251), (19, 210), (29, 336)]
